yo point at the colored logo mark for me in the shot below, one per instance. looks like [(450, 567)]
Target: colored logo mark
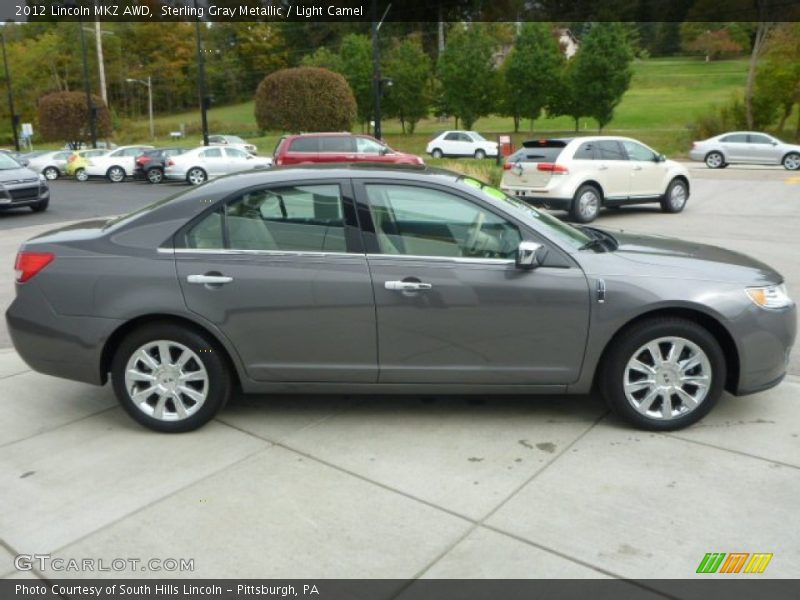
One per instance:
[(734, 562)]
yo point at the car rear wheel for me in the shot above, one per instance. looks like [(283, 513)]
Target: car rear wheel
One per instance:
[(50, 173), (480, 154), (196, 176), (663, 374), (437, 153), (792, 161), (81, 175), (155, 175), (675, 198), (585, 204), (170, 378), (116, 174), (715, 160), (40, 206)]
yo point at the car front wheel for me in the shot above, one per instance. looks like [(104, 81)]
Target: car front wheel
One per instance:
[(196, 176), (81, 175), (170, 378), (663, 374), (50, 173), (116, 174), (585, 204), (676, 196), (792, 161), (715, 160)]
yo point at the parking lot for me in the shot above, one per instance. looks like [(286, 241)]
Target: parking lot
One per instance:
[(408, 487)]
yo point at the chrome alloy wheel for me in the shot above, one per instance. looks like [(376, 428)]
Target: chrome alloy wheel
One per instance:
[(667, 378), (166, 380), (792, 162), (588, 204), (677, 196), (714, 160)]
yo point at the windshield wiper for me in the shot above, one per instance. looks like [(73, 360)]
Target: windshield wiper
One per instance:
[(600, 238), (594, 244)]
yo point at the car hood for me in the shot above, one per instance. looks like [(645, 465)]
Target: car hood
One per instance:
[(676, 257), (21, 175)]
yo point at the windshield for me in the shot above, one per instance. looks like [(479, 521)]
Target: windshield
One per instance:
[(235, 139), (7, 163), (567, 234)]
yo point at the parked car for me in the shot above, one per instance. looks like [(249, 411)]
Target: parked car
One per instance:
[(150, 164), (745, 147), (309, 148), (21, 186), (391, 280), (582, 175), (461, 143), (206, 162), (115, 165), (50, 164), (79, 159), (232, 141)]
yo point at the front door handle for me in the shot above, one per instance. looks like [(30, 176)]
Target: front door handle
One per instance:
[(209, 279), (407, 286), (603, 168), (637, 168)]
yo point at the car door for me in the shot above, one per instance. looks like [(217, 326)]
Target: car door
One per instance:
[(237, 160), (735, 147), (451, 306), (614, 170), (454, 144), (213, 161), (647, 172), (336, 149), (764, 149), (280, 270)]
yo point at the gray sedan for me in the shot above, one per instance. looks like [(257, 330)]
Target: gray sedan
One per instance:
[(745, 147), (390, 280), (50, 164)]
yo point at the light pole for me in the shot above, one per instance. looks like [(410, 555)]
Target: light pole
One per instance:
[(377, 82), (149, 85), (201, 80), (10, 94), (89, 103)]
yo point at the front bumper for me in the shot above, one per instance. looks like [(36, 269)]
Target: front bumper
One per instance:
[(765, 339), (15, 197)]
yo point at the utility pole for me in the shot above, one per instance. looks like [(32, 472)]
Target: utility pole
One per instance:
[(149, 84), (201, 80), (14, 117), (90, 107), (98, 34)]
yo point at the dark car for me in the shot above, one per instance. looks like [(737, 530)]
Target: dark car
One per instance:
[(21, 186), (390, 280), (150, 164), (307, 148)]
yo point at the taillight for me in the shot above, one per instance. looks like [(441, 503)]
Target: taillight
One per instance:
[(552, 168), (279, 161), (694, 145), (72, 157), (29, 264), (170, 163), (507, 166)]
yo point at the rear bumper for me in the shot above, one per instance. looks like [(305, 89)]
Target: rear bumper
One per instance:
[(529, 196), (697, 155)]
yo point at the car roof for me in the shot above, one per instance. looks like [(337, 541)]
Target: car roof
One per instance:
[(324, 133)]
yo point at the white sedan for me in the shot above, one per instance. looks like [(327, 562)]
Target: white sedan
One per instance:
[(201, 164), (115, 165), (50, 164), (232, 141), (461, 143)]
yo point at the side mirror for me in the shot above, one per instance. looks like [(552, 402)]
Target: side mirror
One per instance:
[(529, 255), (383, 151), (250, 157), (660, 158)]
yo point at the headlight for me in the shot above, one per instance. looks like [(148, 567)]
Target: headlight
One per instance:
[(42, 178), (773, 296)]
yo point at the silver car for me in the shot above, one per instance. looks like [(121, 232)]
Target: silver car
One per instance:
[(50, 164), (745, 147), (390, 280), (21, 186)]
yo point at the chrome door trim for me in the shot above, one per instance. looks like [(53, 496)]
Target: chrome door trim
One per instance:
[(446, 259)]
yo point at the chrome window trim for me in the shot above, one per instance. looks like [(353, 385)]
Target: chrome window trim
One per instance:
[(446, 259), (233, 251)]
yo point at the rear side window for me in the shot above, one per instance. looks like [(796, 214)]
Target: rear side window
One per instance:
[(212, 153), (756, 138), (304, 144), (585, 152), (611, 150), (735, 138), (336, 143)]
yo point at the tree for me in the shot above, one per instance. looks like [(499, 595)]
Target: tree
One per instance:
[(531, 72), (356, 56), (304, 99), (409, 68), (65, 116), (778, 78), (324, 59), (467, 74), (713, 40), (598, 75)]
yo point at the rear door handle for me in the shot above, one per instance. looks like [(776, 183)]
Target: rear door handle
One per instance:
[(209, 279), (603, 168), (637, 168), (407, 286)]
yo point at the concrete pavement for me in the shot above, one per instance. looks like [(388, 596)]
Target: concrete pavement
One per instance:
[(395, 487)]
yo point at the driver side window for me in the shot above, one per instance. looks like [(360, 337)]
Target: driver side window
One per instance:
[(418, 221)]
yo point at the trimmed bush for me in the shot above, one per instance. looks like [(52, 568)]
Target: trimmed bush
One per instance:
[(305, 99), (65, 116)]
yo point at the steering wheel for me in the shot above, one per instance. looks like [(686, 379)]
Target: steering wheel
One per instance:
[(474, 231)]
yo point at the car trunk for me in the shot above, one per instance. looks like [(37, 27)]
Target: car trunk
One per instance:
[(532, 166)]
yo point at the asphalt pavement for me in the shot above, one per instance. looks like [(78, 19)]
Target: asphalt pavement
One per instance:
[(409, 487)]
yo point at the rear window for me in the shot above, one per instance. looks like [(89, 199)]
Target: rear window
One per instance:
[(541, 150), (304, 144)]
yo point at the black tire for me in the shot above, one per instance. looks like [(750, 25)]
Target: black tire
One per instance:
[(676, 196), (206, 351), (480, 154), (196, 176), (116, 174), (437, 153), (80, 175), (626, 346), (155, 175), (50, 173), (40, 206), (714, 160), (584, 210), (791, 162)]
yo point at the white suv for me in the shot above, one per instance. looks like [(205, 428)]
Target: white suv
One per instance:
[(581, 175), (461, 143)]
